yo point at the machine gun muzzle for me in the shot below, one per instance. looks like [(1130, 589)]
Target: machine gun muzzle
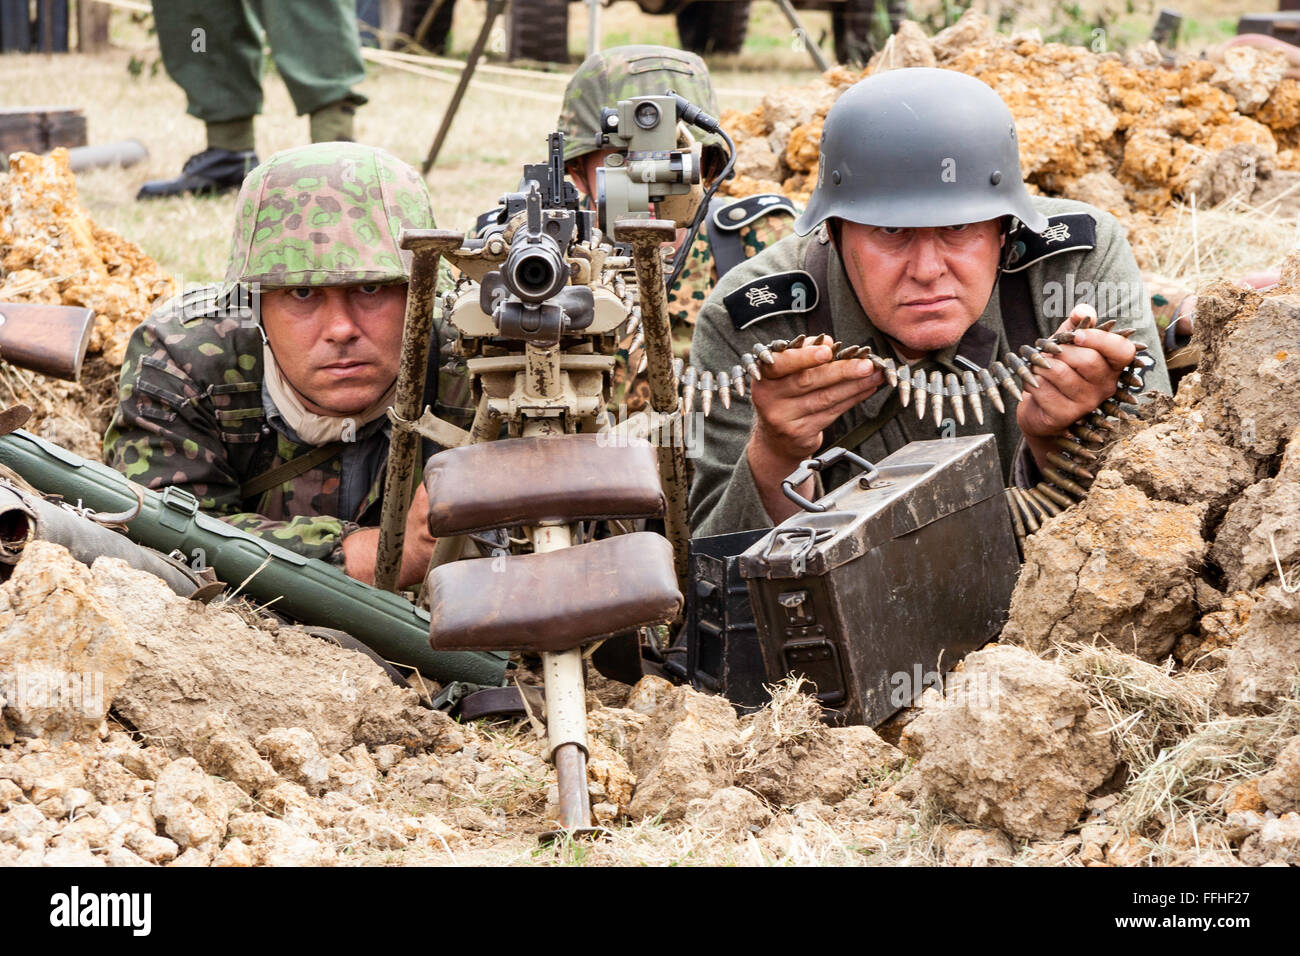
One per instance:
[(535, 269)]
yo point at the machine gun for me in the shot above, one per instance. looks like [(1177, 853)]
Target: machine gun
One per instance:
[(541, 307)]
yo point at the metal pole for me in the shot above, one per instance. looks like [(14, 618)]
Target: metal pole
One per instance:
[(647, 237), (819, 58), (493, 11), (427, 247), (593, 27), (566, 710), (426, 21)]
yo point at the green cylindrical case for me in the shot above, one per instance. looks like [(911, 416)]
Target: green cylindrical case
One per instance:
[(308, 590)]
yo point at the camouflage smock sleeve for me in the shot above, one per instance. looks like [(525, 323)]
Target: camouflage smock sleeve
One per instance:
[(189, 415)]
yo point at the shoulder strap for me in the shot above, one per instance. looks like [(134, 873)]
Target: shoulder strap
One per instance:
[(815, 261), (728, 216), (856, 436), (287, 471), (725, 245), (1017, 308)]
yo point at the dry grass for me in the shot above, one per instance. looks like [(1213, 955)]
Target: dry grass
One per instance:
[(1180, 752), (1219, 751), (490, 140), (1199, 246), (1150, 708)]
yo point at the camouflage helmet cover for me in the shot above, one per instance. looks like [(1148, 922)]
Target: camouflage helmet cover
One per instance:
[(325, 215), (623, 72)]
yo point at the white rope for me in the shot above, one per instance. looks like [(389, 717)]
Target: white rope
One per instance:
[(376, 57)]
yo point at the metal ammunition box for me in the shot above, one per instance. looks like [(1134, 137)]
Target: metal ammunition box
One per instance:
[(902, 572), (722, 652)]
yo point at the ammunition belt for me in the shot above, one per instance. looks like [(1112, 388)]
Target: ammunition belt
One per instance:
[(1067, 478)]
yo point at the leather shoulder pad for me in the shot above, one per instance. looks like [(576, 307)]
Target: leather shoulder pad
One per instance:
[(735, 215), (1070, 232), (783, 293)]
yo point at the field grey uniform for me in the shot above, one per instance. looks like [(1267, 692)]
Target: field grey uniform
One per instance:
[(1084, 256)]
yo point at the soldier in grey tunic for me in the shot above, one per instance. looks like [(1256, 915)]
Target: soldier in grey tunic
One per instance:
[(921, 241)]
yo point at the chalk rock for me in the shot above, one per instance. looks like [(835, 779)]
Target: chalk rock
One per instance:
[(1013, 743), (1260, 666), (1119, 567), (683, 753), (58, 689), (189, 805)]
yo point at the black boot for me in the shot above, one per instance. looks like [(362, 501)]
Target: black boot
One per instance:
[(207, 173)]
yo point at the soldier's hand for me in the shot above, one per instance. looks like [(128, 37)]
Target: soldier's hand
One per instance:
[(417, 549), (1082, 377), (798, 398), (360, 548)]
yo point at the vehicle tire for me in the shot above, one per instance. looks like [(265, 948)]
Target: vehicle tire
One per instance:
[(713, 26), (437, 39), (851, 28), (538, 30)]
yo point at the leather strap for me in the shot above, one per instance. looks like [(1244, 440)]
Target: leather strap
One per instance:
[(855, 437), (502, 702), (1017, 309), (726, 246), (815, 262), (287, 471)]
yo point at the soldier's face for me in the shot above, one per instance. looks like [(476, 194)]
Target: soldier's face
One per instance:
[(339, 346), (583, 171), (922, 287)]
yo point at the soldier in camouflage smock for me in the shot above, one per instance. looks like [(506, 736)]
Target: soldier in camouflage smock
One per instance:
[(271, 436), (731, 232)]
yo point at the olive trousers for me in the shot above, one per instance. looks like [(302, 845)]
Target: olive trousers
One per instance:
[(213, 50)]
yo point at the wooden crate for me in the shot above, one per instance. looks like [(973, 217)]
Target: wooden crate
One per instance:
[(40, 129)]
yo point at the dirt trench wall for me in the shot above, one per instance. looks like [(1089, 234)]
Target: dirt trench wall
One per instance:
[(1121, 132), (1190, 507)]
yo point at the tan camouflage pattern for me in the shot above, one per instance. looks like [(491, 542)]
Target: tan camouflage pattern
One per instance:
[(623, 72), (190, 414), (326, 214), (685, 299)]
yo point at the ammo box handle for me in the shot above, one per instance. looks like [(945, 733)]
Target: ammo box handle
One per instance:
[(816, 464)]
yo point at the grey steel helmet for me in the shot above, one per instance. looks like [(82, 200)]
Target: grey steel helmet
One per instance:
[(919, 147)]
